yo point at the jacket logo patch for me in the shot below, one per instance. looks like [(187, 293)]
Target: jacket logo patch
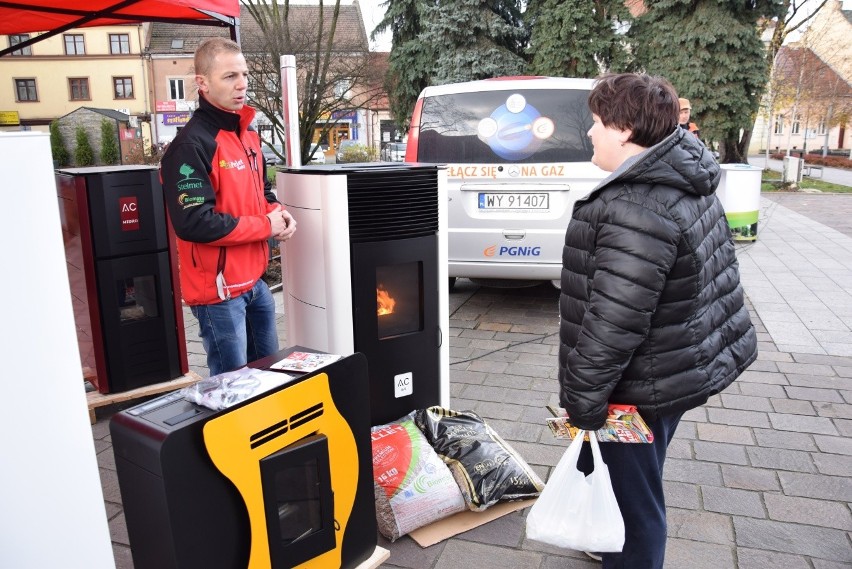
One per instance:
[(188, 182), (233, 164), (188, 201)]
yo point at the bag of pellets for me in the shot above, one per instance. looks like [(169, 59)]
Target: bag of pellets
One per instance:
[(486, 468), (413, 486)]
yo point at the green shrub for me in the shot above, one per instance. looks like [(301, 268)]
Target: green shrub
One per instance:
[(57, 145), (360, 153), (110, 153), (83, 154)]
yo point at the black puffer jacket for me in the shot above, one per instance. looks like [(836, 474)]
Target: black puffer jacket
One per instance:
[(651, 307)]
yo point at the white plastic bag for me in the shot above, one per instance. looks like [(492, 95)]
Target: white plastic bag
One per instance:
[(575, 511)]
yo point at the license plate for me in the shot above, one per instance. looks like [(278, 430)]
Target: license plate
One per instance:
[(505, 201)]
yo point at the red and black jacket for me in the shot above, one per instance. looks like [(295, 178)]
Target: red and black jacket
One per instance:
[(214, 180)]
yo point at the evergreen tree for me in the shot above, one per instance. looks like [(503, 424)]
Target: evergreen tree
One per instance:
[(711, 52), (57, 145), (474, 39), (109, 143), (83, 153), (410, 59), (576, 38)]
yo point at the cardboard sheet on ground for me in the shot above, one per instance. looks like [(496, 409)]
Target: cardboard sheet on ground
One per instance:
[(446, 528)]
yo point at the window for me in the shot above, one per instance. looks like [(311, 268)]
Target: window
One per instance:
[(123, 87), (74, 44), (177, 43), (779, 125), (25, 90), (20, 38), (176, 90), (119, 43), (821, 128), (79, 88), (795, 128)]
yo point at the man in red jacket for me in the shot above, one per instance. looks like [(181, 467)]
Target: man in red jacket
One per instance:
[(223, 211)]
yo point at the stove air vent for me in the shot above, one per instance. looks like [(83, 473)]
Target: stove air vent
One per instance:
[(401, 206)]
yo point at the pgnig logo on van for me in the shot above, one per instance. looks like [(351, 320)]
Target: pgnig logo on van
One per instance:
[(505, 251)]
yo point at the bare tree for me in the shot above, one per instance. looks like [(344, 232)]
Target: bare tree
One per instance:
[(333, 64)]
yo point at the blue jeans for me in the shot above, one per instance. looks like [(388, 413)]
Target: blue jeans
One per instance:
[(636, 471), (237, 331)]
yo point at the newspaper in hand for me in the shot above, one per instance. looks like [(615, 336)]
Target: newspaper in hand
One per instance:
[(623, 425), (304, 362)]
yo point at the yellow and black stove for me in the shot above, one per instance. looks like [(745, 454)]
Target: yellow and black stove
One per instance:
[(283, 479)]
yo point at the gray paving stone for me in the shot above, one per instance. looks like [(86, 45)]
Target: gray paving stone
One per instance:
[(792, 538), (844, 427), (731, 501), (833, 464), (725, 434), (680, 448), (761, 389), (706, 527), (780, 459), (749, 376), (681, 553), (736, 417), (821, 360), (816, 486), (533, 370), (749, 478), (532, 348), (814, 394), (512, 431), (405, 553), (118, 530), (536, 453), (508, 381), (679, 470), (484, 393), (835, 410), (681, 495), (686, 430), (698, 415), (818, 381), (793, 406), (808, 511), (802, 424), (762, 559), (720, 452), (763, 365), (805, 368), (505, 531), (784, 439), (493, 412), (562, 562), (477, 334), (467, 376), (773, 356), (824, 564), (834, 445), (746, 402), (459, 553)]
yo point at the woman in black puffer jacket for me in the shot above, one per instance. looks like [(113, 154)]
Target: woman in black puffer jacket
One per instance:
[(652, 311)]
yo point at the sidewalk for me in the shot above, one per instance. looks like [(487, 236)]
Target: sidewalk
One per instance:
[(759, 477), (833, 175)]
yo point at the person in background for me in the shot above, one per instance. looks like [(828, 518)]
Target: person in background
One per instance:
[(223, 212), (652, 312), (683, 119)]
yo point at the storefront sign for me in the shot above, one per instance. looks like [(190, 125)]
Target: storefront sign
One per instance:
[(128, 133), (345, 115), (9, 118), (166, 106), (178, 119)]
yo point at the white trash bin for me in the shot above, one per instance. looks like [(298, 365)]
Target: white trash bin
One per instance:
[(739, 192)]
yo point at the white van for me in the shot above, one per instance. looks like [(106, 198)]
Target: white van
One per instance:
[(517, 158)]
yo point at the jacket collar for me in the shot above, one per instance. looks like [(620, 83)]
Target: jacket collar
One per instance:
[(225, 120)]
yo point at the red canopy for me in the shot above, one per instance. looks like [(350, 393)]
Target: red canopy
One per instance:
[(57, 16)]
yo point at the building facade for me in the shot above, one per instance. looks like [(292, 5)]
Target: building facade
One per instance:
[(100, 67)]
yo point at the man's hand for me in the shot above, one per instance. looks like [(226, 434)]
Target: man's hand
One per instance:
[(282, 223)]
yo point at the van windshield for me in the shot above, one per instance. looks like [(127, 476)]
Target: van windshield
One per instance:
[(493, 127)]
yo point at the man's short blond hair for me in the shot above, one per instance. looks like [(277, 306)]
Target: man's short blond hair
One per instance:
[(208, 50)]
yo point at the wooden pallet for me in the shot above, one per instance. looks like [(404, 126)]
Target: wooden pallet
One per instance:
[(96, 399)]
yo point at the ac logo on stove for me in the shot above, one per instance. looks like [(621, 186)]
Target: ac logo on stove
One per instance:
[(403, 384)]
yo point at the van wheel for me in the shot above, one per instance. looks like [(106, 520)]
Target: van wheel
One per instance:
[(452, 283)]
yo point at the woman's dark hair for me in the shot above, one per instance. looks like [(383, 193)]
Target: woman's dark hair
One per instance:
[(645, 104)]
